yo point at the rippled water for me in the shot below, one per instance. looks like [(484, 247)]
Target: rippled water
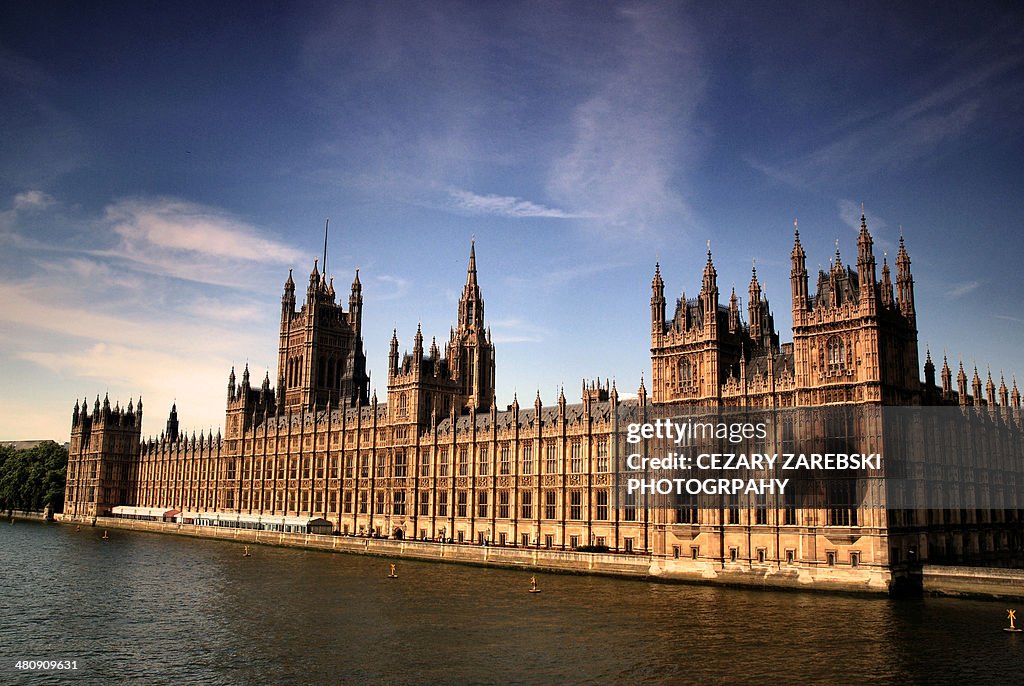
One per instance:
[(149, 608)]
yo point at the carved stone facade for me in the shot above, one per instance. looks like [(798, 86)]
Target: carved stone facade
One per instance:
[(437, 460), (853, 340)]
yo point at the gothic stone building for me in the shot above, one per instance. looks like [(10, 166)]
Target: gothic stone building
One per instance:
[(437, 460)]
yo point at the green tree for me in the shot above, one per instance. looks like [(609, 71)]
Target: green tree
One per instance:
[(34, 478)]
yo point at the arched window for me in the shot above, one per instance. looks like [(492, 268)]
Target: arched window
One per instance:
[(836, 353), (402, 404), (685, 372)]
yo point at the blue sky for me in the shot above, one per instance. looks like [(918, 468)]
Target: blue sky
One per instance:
[(163, 165)]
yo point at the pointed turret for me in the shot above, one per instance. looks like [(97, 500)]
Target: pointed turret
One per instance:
[(171, 431), (734, 312), (904, 282), (1015, 395), (961, 384), (947, 378), (887, 297), (754, 304), (929, 370), (393, 354), (709, 296), (288, 298), (231, 384), (990, 390), (315, 285), (798, 273), (355, 305), (866, 264), (657, 303), (835, 274), (1004, 393), (976, 386), (710, 280)]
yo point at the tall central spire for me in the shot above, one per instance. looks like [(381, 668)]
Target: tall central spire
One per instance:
[(471, 305), (473, 353), (471, 270)]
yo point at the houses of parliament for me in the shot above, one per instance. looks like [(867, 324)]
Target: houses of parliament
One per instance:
[(437, 460)]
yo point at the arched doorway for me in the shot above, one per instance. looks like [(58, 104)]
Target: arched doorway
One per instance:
[(398, 535)]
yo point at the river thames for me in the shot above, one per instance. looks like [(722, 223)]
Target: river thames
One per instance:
[(150, 608)]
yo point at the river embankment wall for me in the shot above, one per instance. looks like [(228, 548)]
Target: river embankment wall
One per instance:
[(941, 580)]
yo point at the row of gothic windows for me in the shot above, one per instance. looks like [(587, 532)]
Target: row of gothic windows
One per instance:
[(331, 370)]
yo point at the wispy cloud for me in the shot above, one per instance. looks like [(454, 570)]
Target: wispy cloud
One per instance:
[(137, 314), (850, 211), (506, 206), (188, 228), (633, 136), (516, 331), (944, 109), (55, 308), (963, 288), (33, 200), (225, 309), (849, 214), (394, 288), (184, 240), (551, 278)]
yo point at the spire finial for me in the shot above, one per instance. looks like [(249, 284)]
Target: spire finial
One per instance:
[(471, 270), (327, 224)]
